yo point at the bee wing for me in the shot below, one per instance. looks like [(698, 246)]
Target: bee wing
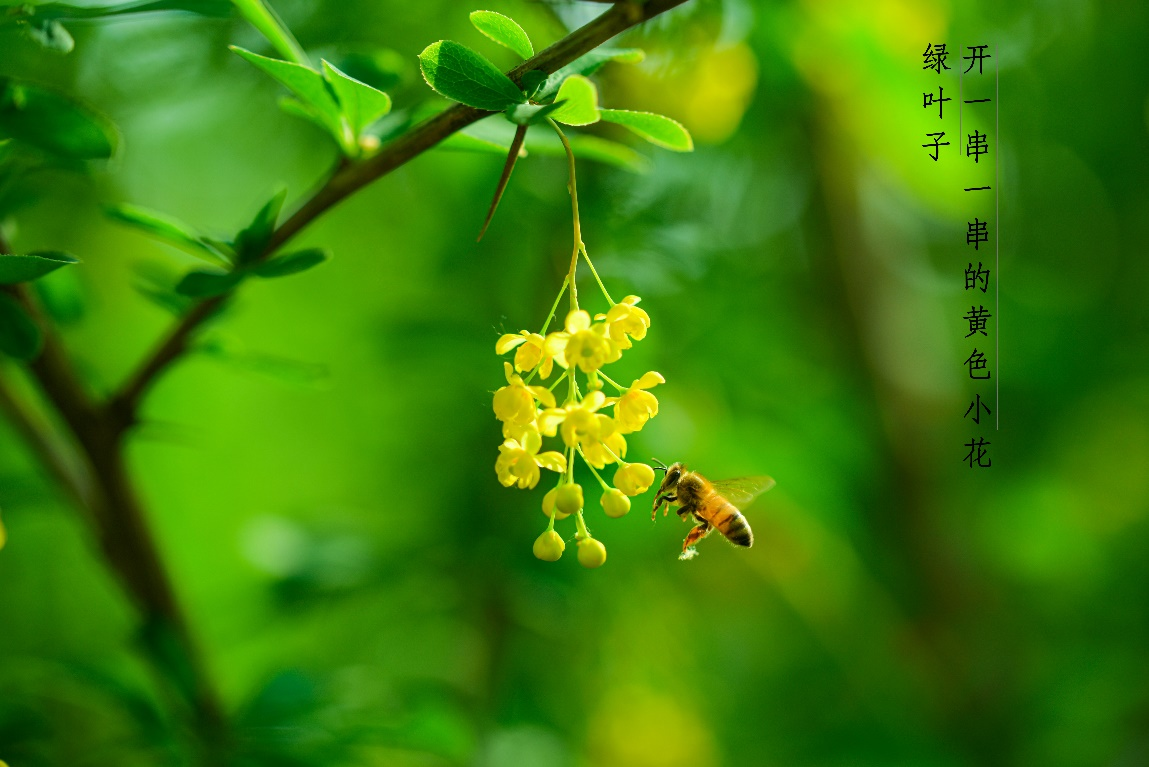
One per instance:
[(741, 491)]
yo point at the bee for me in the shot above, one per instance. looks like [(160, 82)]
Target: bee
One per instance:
[(714, 505)]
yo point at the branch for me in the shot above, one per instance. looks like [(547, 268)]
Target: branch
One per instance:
[(350, 178), (61, 463)]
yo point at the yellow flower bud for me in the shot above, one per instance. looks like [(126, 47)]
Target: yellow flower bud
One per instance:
[(568, 500), (3, 534), (591, 553), (634, 478), (549, 546), (615, 503), (549, 504)]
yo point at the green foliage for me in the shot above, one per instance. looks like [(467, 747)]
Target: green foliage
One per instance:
[(264, 19), (66, 11), (466, 142), (338, 103), (587, 65), (50, 35), (580, 99), (23, 268), (53, 122), (532, 81), (461, 74), (503, 30), (253, 239), (657, 129), (311, 89), (19, 336), (292, 263), (168, 228), (529, 114), (203, 284), (361, 104)]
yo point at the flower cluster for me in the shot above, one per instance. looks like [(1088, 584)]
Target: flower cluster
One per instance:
[(587, 423)]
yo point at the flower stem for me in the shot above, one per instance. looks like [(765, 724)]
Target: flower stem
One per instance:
[(547, 324), (605, 486), (554, 308), (558, 380), (610, 381), (597, 279), (583, 533), (578, 245)]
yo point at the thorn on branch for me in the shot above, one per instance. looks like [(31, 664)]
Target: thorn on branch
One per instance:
[(512, 157)]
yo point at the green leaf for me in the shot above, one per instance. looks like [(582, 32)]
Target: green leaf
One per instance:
[(50, 35), (156, 281), (65, 11), (590, 148), (361, 103), (53, 122), (251, 242), (308, 85), (23, 268), (529, 114), (657, 129), (587, 65), (268, 24), (457, 72), (465, 142), (503, 30), (292, 263), (164, 227), (200, 284), (19, 336), (532, 81), (581, 102)]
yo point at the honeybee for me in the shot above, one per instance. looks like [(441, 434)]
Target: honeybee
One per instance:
[(714, 505)]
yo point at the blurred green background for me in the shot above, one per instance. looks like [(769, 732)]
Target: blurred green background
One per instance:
[(321, 479)]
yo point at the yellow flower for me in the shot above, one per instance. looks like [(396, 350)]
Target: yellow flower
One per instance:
[(549, 504), (515, 402), (591, 553), (615, 503), (601, 449), (634, 478), (568, 500), (3, 535), (519, 461), (549, 546), (532, 351), (636, 406), (579, 420), (626, 321), (584, 344)]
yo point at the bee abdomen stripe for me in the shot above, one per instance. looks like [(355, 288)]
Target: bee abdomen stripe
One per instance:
[(738, 531)]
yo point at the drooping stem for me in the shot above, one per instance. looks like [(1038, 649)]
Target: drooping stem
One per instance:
[(578, 246)]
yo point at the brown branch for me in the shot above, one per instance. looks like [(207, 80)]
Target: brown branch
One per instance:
[(60, 462), (350, 178), (118, 517)]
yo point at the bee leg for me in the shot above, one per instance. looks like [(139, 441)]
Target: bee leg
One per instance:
[(696, 534), (659, 501)]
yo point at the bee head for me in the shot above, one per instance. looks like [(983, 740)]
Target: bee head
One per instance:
[(674, 473)]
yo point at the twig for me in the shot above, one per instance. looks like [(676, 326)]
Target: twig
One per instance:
[(351, 178)]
